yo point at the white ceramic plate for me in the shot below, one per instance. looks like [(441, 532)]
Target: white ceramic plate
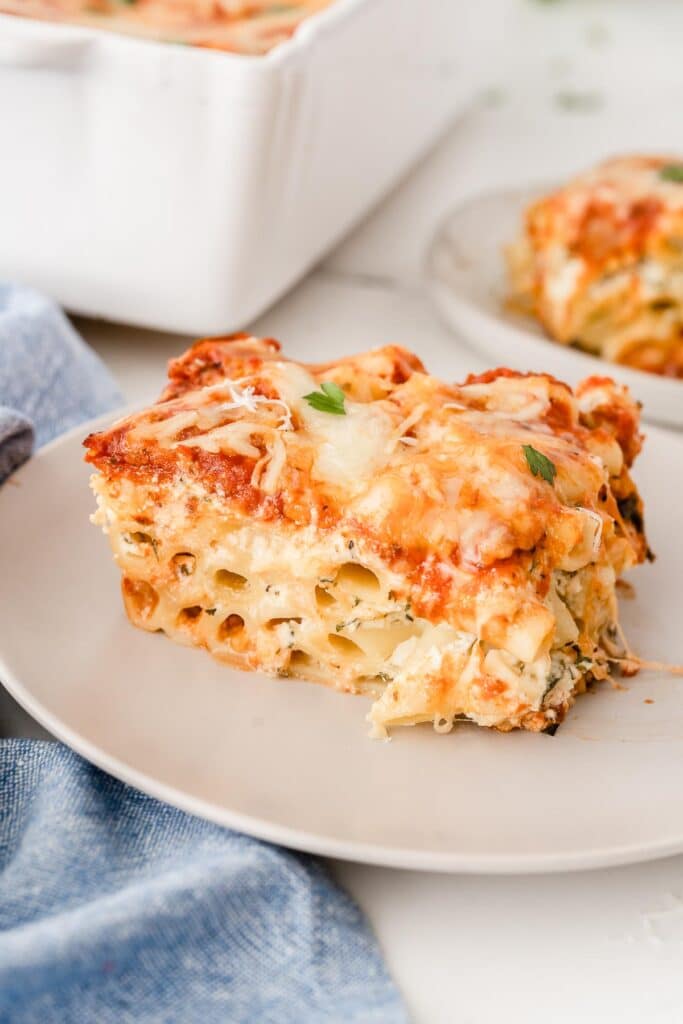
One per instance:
[(466, 271), (291, 762)]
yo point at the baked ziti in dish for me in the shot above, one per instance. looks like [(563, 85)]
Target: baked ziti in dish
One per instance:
[(600, 263), (235, 25), (450, 549)]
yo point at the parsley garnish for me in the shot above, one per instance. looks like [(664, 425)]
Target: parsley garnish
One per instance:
[(330, 398), (539, 464), (671, 172)]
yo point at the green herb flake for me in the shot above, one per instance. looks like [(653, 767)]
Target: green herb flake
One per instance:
[(352, 625), (539, 464), (275, 9), (671, 172), (578, 102), (330, 399)]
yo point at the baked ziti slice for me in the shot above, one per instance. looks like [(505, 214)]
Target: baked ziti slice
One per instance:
[(452, 550), (600, 263)]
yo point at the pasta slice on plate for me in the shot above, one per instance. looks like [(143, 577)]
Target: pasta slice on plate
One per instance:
[(600, 263), (450, 550)]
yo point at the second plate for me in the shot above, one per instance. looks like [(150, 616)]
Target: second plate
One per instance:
[(466, 271)]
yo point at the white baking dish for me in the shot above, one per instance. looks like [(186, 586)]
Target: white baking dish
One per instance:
[(186, 189)]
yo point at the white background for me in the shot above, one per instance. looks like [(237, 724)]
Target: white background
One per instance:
[(579, 80)]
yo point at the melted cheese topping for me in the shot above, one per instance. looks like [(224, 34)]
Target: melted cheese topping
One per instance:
[(600, 263), (403, 547), (348, 449)]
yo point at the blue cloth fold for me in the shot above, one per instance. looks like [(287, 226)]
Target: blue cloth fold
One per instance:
[(50, 380), (117, 908), (16, 440)]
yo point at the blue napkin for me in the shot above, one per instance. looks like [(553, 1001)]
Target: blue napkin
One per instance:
[(49, 380), (114, 907)]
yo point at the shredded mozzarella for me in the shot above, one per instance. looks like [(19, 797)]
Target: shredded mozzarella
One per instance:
[(244, 397), (597, 537), (271, 465), (235, 435)]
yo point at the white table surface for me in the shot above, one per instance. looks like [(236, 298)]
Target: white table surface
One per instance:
[(596, 946)]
